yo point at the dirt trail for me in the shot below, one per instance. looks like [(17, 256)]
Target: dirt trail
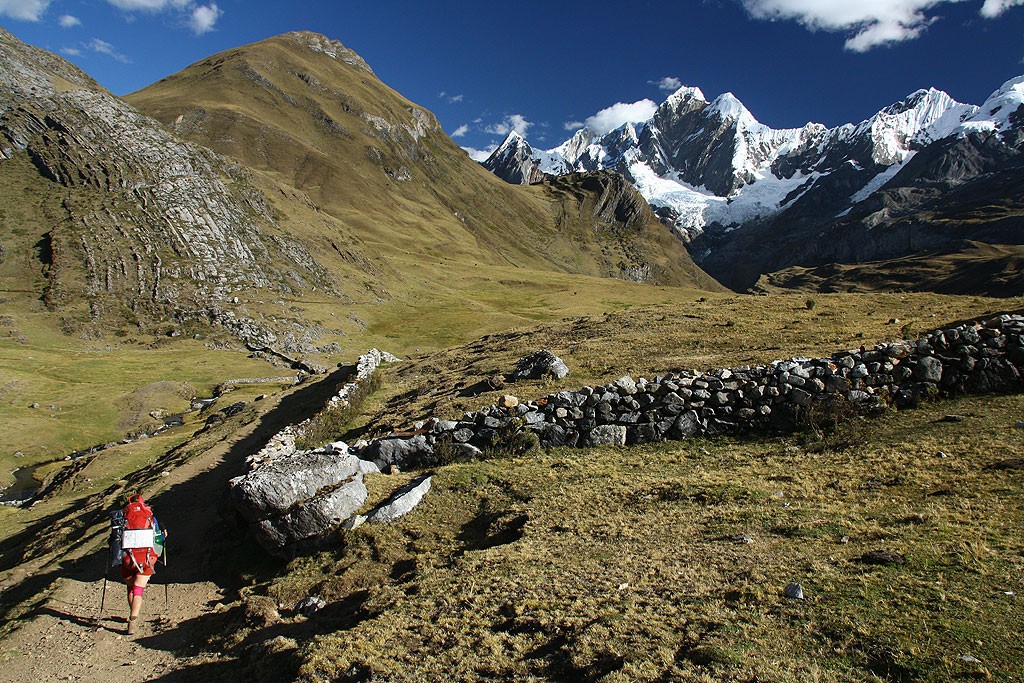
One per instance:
[(63, 640)]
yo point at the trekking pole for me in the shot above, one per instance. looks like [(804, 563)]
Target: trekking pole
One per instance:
[(103, 593), (167, 600)]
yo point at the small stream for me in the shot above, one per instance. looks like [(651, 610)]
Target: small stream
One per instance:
[(25, 484)]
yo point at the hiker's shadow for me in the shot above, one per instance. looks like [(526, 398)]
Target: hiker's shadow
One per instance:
[(87, 622)]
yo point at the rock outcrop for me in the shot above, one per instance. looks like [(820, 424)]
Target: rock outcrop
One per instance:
[(298, 497), (155, 220), (294, 499)]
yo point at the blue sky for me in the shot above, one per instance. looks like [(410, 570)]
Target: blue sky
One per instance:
[(540, 67)]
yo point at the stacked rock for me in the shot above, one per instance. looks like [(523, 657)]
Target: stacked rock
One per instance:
[(365, 367), (282, 444), (295, 498), (965, 359)]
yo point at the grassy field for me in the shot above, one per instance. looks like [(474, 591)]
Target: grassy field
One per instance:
[(669, 562), (655, 563), (88, 393)]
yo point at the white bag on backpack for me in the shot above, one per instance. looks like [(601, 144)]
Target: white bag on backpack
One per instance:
[(138, 538)]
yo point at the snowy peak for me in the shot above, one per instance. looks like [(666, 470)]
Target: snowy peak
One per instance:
[(998, 112), (512, 141), (707, 164), (685, 95), (919, 119), (514, 161), (728, 108), (573, 148)]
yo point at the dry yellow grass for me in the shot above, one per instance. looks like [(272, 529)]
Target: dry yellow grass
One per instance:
[(669, 562)]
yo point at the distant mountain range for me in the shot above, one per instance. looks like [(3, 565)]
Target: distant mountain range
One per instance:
[(924, 176)]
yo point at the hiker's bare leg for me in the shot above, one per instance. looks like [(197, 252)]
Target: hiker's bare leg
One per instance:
[(140, 581)]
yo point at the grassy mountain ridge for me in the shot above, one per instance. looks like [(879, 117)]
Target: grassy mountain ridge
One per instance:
[(378, 167), (966, 267)]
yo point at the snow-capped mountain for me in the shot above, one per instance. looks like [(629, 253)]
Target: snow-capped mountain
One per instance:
[(713, 172)]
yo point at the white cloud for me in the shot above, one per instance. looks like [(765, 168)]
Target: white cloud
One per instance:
[(872, 23), (26, 10), (619, 113), (204, 17), (516, 122), (450, 99), (105, 48), (480, 154), (71, 51), (669, 83), (460, 131), (145, 5), (68, 21), (572, 125), (199, 18), (993, 8)]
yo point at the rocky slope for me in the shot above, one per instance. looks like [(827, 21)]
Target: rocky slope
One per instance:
[(750, 200), (145, 220)]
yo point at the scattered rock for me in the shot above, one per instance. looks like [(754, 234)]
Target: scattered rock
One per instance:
[(794, 591), (402, 502), (952, 418), (539, 365), (508, 401), (883, 558), (310, 605), (739, 538)]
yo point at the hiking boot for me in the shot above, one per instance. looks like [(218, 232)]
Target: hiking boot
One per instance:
[(132, 625)]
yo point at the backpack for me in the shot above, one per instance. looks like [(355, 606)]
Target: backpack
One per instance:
[(136, 541)]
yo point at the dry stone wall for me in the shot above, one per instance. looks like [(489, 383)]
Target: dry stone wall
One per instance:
[(296, 499), (282, 444), (969, 358)]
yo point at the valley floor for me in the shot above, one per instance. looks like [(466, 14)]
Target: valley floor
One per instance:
[(657, 563)]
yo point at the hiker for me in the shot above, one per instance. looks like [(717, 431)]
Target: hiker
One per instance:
[(142, 544)]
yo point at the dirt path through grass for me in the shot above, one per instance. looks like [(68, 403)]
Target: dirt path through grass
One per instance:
[(61, 637)]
